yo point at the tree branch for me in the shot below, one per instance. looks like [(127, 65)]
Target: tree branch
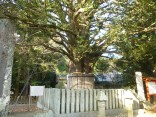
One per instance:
[(59, 50), (146, 30), (34, 24)]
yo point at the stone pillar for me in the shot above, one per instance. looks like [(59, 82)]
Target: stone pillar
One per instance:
[(140, 87), (101, 101), (7, 43)]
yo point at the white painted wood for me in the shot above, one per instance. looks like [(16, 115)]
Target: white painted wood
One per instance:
[(117, 98), (106, 100), (98, 91), (107, 104), (82, 101), (91, 100), (63, 99), (77, 101), (44, 97), (52, 97), (42, 100), (110, 99), (87, 100), (57, 101), (73, 101), (95, 94), (113, 98), (68, 101), (123, 99), (48, 98), (128, 106), (120, 98)]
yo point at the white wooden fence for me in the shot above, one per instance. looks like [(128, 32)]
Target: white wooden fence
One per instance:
[(65, 101)]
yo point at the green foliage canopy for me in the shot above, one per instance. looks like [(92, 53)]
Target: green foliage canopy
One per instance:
[(138, 39), (73, 28)]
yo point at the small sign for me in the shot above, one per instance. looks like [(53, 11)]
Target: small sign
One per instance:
[(36, 90), (152, 87)]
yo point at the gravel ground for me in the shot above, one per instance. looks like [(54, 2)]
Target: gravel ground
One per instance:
[(30, 114), (24, 110), (22, 114), (28, 111)]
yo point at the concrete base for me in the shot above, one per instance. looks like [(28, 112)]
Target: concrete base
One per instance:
[(109, 113)]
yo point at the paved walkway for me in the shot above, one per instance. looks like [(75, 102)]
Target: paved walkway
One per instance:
[(147, 115), (143, 113)]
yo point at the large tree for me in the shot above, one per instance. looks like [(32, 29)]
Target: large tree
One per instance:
[(74, 28)]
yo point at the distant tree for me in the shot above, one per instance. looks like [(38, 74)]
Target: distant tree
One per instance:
[(37, 64), (101, 65), (137, 38)]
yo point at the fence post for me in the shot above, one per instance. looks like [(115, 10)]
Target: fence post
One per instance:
[(129, 103), (101, 101), (129, 107)]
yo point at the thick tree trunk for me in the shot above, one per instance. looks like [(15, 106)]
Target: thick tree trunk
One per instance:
[(6, 61), (83, 66), (80, 81), (80, 76)]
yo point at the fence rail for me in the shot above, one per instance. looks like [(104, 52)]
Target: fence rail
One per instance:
[(64, 101)]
